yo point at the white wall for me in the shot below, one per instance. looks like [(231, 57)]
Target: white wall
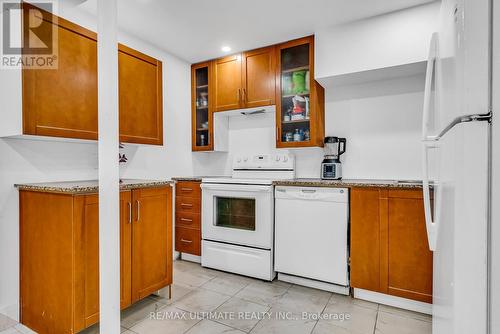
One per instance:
[(387, 40), (31, 161), (381, 121), (24, 160)]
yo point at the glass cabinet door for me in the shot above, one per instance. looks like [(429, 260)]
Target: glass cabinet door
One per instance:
[(297, 119), (202, 123)]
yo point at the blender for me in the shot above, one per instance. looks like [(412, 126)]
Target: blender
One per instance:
[(331, 168)]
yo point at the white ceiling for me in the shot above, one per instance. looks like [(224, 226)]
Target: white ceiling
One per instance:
[(195, 30)]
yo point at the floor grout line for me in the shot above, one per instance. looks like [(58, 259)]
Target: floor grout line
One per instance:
[(323, 311), (376, 320)]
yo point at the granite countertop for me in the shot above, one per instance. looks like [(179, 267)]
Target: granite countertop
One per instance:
[(188, 178), (88, 187), (408, 184)]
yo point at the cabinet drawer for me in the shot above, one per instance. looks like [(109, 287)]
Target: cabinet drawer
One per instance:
[(187, 240), (188, 189), (187, 204), (187, 219)]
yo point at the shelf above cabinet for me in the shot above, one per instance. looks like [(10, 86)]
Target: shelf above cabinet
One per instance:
[(295, 69), (306, 120), (292, 95)]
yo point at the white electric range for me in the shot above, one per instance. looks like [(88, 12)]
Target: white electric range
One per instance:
[(238, 215)]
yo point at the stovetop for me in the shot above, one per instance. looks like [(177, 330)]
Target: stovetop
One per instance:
[(232, 180), (260, 169)]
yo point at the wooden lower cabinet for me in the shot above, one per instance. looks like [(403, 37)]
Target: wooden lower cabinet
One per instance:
[(151, 241), (389, 248), (188, 217), (188, 240), (90, 255), (59, 246)]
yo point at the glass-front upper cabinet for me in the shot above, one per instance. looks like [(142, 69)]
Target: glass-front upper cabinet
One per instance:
[(202, 133), (300, 99)]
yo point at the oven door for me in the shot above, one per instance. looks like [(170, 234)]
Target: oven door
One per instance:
[(238, 214)]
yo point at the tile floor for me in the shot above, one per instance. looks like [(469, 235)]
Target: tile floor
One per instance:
[(207, 301)]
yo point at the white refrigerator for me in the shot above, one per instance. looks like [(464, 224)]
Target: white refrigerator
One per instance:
[(456, 150)]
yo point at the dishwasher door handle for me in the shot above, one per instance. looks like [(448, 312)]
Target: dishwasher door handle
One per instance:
[(325, 194)]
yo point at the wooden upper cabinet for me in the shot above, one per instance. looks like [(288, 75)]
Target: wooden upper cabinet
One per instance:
[(151, 241), (140, 96), (389, 249), (227, 83), (258, 77), (300, 100), (202, 138), (62, 102), (245, 80)]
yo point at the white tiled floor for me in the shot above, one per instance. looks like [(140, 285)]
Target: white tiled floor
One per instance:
[(237, 305)]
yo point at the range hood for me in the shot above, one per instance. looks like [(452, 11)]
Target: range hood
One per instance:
[(247, 111), (221, 123)]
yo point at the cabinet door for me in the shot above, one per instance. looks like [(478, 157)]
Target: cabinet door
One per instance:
[(227, 81), (365, 238), (201, 107), (47, 237), (258, 77), (151, 241), (62, 102), (389, 249), (409, 259), (140, 96), (90, 243), (299, 98), (188, 240)]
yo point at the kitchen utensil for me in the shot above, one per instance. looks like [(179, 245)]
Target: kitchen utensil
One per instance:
[(331, 168)]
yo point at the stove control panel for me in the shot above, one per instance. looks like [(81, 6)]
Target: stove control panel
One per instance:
[(264, 161)]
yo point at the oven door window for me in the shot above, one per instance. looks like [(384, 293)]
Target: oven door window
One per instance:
[(237, 213)]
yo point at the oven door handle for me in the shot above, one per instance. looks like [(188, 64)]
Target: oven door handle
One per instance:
[(237, 187)]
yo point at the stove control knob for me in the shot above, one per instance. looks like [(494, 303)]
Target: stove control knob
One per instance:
[(285, 159), (239, 160), (277, 158), (245, 159)]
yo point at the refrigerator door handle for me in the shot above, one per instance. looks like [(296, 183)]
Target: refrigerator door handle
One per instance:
[(431, 223), (430, 74)]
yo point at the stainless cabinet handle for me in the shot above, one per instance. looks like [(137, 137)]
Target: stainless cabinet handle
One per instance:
[(186, 189), (244, 94), (186, 241), (186, 220), (138, 210), (129, 212), (184, 204), (238, 95)]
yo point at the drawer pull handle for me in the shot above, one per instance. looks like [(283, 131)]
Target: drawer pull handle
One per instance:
[(187, 241), (186, 189), (186, 220), (129, 212), (184, 204), (138, 211)]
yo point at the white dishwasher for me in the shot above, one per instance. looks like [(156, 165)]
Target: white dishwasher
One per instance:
[(311, 236)]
